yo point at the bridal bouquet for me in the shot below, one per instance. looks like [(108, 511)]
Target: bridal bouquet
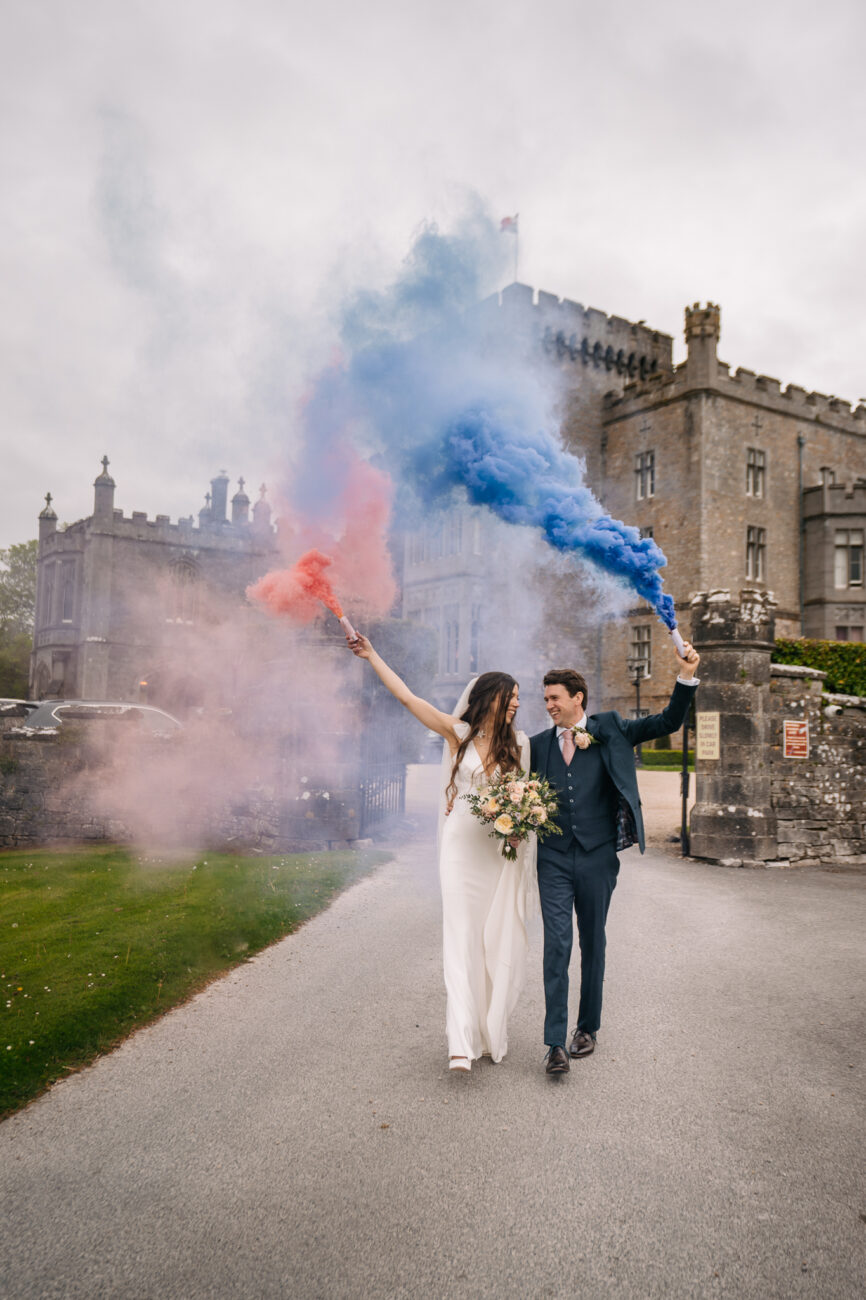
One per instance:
[(514, 807)]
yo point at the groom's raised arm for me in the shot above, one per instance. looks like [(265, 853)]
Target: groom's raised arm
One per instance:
[(673, 715)]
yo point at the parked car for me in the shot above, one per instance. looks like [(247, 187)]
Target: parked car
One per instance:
[(16, 708), (54, 713)]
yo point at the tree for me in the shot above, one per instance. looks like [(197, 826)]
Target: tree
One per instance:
[(17, 609), (18, 587)]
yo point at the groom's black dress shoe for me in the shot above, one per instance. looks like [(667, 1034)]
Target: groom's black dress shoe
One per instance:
[(582, 1044), (557, 1061)]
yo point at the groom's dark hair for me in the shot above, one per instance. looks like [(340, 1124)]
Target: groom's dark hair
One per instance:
[(567, 677)]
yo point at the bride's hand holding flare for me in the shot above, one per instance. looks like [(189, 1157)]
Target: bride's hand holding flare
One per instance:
[(360, 646)]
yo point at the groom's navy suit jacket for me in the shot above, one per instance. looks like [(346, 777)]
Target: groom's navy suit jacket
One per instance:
[(606, 804)]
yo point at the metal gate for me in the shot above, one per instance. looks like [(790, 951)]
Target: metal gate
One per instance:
[(382, 781)]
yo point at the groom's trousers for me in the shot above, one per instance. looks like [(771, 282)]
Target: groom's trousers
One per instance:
[(574, 881)]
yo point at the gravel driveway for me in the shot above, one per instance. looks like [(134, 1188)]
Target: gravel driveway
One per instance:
[(293, 1131)]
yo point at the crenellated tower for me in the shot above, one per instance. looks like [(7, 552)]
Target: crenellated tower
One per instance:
[(703, 331), (97, 575)]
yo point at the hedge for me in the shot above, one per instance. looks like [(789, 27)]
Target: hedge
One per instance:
[(667, 760), (844, 662)]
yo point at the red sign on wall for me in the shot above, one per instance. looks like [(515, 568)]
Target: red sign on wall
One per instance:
[(796, 738)]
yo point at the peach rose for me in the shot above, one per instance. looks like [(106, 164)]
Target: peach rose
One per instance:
[(504, 824)]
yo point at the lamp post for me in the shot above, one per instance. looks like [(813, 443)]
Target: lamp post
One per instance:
[(685, 842), (637, 672)]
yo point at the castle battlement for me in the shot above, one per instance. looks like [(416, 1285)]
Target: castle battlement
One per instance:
[(744, 385), (835, 499), (569, 331), (214, 530), (138, 525), (702, 371)]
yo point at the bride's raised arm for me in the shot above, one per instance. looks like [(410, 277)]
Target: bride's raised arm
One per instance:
[(426, 713)]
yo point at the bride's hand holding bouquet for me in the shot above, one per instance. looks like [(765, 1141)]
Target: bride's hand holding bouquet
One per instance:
[(515, 806)]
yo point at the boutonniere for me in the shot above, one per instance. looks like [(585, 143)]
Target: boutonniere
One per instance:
[(582, 738)]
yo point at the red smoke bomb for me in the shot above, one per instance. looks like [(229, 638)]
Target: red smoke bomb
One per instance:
[(349, 630)]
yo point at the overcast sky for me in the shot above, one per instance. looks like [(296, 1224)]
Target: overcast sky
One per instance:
[(189, 188)]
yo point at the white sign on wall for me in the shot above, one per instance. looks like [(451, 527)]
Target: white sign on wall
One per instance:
[(708, 744)]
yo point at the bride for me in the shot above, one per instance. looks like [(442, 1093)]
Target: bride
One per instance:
[(484, 897)]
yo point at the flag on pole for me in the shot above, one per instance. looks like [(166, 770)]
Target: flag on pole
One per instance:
[(509, 224)]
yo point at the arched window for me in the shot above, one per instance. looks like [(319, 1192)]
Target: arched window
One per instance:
[(184, 591), (67, 591), (48, 582)]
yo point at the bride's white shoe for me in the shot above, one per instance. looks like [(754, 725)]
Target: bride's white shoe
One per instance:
[(460, 1063)]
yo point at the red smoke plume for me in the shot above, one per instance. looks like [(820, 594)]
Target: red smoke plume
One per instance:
[(356, 541), (298, 590)]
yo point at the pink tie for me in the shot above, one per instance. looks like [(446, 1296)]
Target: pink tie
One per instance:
[(568, 746)]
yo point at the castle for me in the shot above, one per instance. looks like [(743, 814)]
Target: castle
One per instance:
[(91, 640), (740, 482)]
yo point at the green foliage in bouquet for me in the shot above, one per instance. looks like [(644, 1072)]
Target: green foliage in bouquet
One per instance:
[(514, 807)]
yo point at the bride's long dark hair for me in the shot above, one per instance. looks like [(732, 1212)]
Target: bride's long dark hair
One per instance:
[(491, 692)]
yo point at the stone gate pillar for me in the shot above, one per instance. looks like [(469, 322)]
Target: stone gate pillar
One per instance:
[(733, 819)]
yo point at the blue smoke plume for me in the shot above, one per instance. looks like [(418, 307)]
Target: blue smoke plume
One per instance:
[(449, 399)]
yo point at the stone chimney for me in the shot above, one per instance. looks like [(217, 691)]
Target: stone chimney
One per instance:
[(47, 519), (219, 494), (240, 505), (703, 330), (262, 513), (103, 495)]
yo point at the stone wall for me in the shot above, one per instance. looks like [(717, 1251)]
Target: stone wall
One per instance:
[(36, 806), (755, 804), (820, 801), (53, 788)]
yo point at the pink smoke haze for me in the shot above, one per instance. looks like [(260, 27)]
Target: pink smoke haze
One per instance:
[(248, 690), (363, 571), (269, 706), (357, 567)]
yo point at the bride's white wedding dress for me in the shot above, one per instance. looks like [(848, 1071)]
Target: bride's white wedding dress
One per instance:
[(485, 900)]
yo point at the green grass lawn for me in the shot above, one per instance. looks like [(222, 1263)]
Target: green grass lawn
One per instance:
[(97, 942)]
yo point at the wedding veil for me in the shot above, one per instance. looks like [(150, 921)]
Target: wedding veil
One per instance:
[(447, 761)]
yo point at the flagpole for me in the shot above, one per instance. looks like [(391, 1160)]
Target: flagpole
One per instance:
[(512, 226)]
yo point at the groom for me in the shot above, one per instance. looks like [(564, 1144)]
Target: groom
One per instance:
[(589, 761)]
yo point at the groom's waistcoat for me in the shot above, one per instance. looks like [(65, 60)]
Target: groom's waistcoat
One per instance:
[(587, 799)]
